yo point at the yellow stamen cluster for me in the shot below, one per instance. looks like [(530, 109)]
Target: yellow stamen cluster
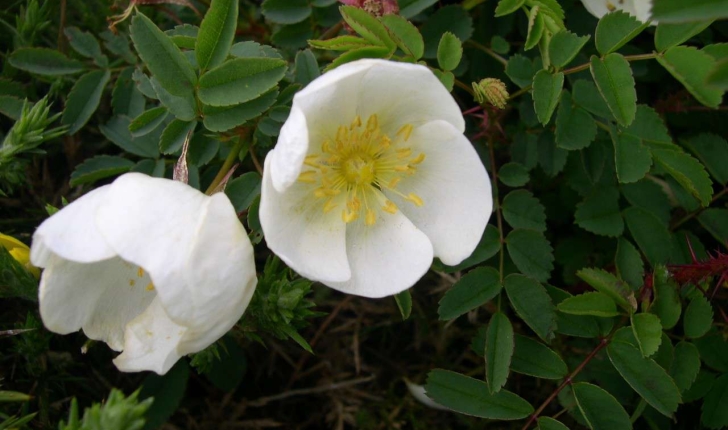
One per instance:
[(357, 165)]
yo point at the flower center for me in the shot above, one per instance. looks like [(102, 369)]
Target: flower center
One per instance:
[(354, 169)]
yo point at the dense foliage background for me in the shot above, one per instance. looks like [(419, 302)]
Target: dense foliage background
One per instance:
[(596, 296)]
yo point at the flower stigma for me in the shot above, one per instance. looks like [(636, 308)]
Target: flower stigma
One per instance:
[(357, 165)]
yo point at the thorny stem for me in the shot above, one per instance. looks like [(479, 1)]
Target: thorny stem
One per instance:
[(488, 51), (695, 213), (228, 164)]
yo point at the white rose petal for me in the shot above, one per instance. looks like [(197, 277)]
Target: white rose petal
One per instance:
[(372, 177), (640, 9), (150, 266)]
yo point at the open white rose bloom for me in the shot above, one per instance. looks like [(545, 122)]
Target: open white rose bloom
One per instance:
[(371, 177), (640, 9), (150, 266)]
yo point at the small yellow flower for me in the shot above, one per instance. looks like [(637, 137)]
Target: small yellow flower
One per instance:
[(20, 252)]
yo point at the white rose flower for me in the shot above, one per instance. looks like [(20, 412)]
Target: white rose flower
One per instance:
[(150, 266), (371, 177), (640, 9)]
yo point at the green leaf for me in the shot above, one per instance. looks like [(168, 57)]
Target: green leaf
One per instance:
[(599, 213), (533, 358), (85, 44), (341, 43), (404, 303), (532, 304), (410, 8), (608, 284), (522, 210), (11, 106), (446, 78), (536, 27), (182, 107), (716, 222), (531, 252), (546, 93), (449, 52), (711, 150), (629, 264), (714, 413), (575, 127), (600, 410), (470, 396), (307, 68), (648, 332), (84, 98), (472, 290), (294, 36), (216, 33), (513, 174), (685, 365), (573, 325), (144, 84), (667, 304), (650, 234), (15, 279), (117, 131), (668, 35), (691, 67), (488, 246), (250, 49), (243, 190), (147, 121), (645, 376), (361, 53), (564, 46), (615, 29), (702, 385), (682, 11), (174, 135), (521, 70), (631, 157), (687, 171), (698, 317), (586, 95), (367, 27), (43, 61), (286, 11), (228, 371), (498, 351), (168, 390), (546, 423), (592, 303), (126, 99), (240, 80), (507, 7), (99, 167), (613, 77), (405, 35), (718, 76), (162, 57), (452, 18), (227, 117), (184, 36), (650, 196)]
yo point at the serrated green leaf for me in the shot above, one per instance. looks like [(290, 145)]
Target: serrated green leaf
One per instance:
[(682, 11), (564, 46), (648, 332), (575, 127), (691, 67), (718, 76), (615, 29), (367, 27), (698, 317), (99, 167), (649, 127), (498, 351), (410, 8), (162, 57), (84, 99), (168, 390), (631, 157), (536, 27), (307, 68), (586, 95), (341, 43), (714, 413), (599, 213), (184, 36), (449, 51), (521, 70), (531, 252), (711, 150), (650, 234), (243, 190), (645, 376), (716, 222), (533, 358), (650, 196), (522, 210), (182, 107), (126, 99), (144, 84), (702, 385), (546, 423), (628, 262), (687, 171), (667, 302), (546, 93), (608, 284), (488, 246), (358, 54), (506, 7), (513, 174), (216, 33), (600, 410), (227, 117), (405, 35), (685, 365), (452, 18), (615, 82), (11, 88), (11, 106), (43, 61), (240, 80), (294, 36), (668, 35), (404, 303), (174, 135), (470, 396), (85, 44), (147, 121), (117, 131), (252, 49), (532, 304), (286, 11), (472, 290), (592, 303), (572, 325)]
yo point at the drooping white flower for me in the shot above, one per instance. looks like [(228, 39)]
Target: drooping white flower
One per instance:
[(640, 9), (150, 266), (371, 177)]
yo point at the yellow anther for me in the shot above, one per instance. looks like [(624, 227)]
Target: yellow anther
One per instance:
[(131, 282), (393, 183), (384, 143), (372, 123), (356, 123), (342, 135), (404, 152), (326, 146), (150, 286), (414, 198), (610, 6), (405, 131), (371, 217), (418, 159), (308, 177), (390, 207), (354, 204), (329, 206), (349, 216), (311, 160), (402, 168), (325, 192), (140, 272)]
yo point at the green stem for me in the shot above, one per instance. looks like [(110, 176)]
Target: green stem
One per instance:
[(693, 214), (488, 51), (496, 203), (228, 164)]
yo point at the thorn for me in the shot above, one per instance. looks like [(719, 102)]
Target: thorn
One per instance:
[(690, 246)]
